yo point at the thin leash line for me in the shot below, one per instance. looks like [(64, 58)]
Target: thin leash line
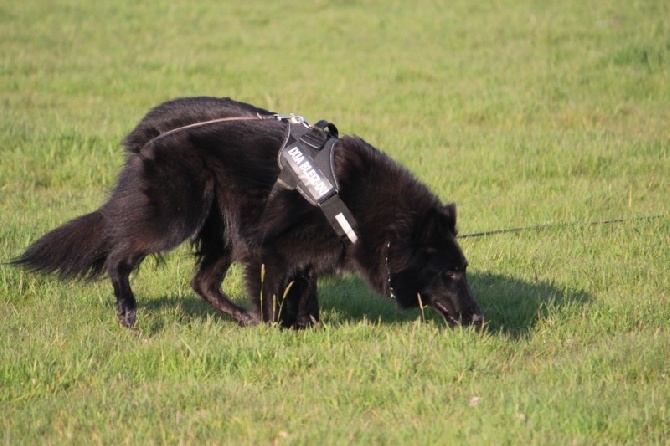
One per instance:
[(558, 225), (462, 236), (258, 117), (215, 121)]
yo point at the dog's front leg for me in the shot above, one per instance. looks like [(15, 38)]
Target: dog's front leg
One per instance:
[(301, 304), (267, 286), (292, 301)]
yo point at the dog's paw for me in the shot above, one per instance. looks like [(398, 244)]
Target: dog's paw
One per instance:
[(246, 319), (127, 317)]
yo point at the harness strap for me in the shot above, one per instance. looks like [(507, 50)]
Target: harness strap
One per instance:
[(339, 217), (306, 165)]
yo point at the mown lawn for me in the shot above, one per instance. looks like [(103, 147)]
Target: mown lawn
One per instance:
[(522, 112)]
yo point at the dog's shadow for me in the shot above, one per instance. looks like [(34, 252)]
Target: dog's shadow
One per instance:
[(511, 306)]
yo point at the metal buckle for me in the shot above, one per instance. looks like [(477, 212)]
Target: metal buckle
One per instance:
[(292, 119)]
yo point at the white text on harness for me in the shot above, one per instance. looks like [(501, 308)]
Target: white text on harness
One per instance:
[(316, 183)]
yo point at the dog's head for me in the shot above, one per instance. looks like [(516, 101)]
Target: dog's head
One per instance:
[(427, 268)]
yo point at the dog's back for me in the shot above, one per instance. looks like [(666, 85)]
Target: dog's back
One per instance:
[(185, 111)]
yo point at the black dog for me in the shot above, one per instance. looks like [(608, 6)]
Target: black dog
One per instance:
[(206, 170)]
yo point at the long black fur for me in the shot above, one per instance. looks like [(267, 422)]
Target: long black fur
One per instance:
[(211, 183)]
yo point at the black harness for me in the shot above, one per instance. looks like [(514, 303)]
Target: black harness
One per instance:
[(306, 165)]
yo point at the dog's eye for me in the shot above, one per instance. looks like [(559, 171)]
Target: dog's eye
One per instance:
[(450, 275)]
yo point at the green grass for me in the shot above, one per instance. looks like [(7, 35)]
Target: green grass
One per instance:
[(523, 112)]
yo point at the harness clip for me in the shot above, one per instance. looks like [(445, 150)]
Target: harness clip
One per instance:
[(292, 119)]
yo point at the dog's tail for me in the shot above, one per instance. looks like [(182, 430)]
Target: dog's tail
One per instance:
[(77, 249)]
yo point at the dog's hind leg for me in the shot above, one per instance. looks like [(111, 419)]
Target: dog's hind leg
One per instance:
[(207, 283), (215, 259), (119, 267)]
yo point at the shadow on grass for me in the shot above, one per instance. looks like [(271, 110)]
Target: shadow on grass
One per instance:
[(511, 306)]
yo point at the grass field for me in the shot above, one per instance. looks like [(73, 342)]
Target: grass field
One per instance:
[(522, 112)]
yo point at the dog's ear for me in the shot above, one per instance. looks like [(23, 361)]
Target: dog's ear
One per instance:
[(438, 223), (450, 214)]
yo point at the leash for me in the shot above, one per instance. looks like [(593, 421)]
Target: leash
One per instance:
[(215, 121), (292, 119), (560, 225)]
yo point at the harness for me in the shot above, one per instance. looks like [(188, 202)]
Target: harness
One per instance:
[(306, 165)]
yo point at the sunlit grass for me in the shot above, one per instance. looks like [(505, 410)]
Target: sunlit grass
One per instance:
[(521, 112)]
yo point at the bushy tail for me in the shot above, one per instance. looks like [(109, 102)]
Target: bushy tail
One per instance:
[(78, 249)]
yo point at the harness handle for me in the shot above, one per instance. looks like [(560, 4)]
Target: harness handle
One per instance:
[(327, 127)]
